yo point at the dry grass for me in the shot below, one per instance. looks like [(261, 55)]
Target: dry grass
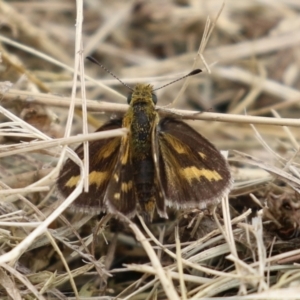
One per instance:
[(248, 247)]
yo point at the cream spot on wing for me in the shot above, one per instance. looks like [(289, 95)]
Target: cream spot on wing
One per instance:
[(117, 196), (116, 177), (202, 155), (125, 187)]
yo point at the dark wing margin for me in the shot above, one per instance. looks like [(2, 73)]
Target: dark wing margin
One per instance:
[(193, 173), (103, 155)]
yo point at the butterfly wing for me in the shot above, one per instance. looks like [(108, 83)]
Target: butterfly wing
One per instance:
[(193, 173), (120, 195), (103, 156)]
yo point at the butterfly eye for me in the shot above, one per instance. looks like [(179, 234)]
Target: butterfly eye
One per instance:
[(154, 98), (129, 98)]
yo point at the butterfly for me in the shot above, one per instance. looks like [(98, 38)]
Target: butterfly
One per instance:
[(160, 162)]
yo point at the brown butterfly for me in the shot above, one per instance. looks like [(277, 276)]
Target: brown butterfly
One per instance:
[(158, 163)]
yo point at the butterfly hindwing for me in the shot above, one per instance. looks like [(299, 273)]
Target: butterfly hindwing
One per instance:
[(103, 156), (120, 195), (192, 171)]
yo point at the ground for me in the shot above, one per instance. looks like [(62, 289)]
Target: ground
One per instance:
[(245, 102)]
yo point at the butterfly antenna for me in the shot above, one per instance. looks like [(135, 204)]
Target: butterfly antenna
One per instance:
[(93, 60), (194, 72)]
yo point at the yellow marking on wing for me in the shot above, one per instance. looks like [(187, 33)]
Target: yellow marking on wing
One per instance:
[(202, 155), (125, 187), (98, 178), (94, 178), (117, 196), (72, 181), (191, 173), (108, 149), (177, 146)]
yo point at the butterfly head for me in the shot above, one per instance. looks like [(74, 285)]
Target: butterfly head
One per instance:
[(142, 93)]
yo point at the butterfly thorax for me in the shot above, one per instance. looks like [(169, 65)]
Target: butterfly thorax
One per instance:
[(140, 120)]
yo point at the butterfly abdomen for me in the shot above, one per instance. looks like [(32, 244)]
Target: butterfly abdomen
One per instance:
[(144, 179), (142, 120)]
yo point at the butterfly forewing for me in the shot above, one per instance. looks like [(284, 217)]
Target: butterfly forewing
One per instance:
[(103, 156), (192, 171)]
